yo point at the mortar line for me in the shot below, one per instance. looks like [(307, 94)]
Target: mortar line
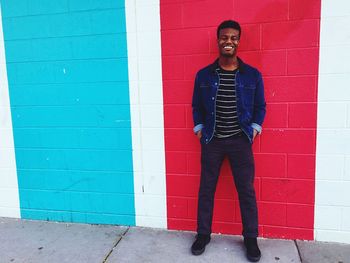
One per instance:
[(116, 244)]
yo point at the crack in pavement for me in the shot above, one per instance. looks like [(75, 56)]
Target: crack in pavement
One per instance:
[(114, 246), (296, 244)]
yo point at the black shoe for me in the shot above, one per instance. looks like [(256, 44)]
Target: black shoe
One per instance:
[(253, 251), (199, 244)]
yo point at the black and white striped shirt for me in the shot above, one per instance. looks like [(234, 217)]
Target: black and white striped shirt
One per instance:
[(226, 120)]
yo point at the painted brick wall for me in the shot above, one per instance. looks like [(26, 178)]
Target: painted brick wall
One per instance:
[(332, 206), (9, 199), (146, 106), (68, 83), (86, 101), (281, 38)]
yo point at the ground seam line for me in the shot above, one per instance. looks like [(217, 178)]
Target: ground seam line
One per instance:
[(296, 244), (116, 244)]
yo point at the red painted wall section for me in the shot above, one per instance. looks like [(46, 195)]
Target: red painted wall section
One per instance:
[(281, 39)]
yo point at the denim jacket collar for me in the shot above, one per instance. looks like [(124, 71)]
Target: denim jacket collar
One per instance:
[(241, 65)]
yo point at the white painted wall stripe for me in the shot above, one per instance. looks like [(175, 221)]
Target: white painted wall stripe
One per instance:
[(147, 120), (9, 195), (332, 202)]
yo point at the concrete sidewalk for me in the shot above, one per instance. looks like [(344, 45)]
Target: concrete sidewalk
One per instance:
[(48, 242)]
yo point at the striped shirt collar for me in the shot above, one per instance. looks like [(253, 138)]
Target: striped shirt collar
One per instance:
[(241, 65)]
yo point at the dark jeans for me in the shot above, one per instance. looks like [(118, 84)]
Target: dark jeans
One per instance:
[(238, 149)]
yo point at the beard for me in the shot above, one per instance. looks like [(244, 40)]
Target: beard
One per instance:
[(228, 55)]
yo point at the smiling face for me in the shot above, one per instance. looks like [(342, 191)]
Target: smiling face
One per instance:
[(228, 42)]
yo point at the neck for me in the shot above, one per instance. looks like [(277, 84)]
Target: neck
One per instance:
[(228, 63)]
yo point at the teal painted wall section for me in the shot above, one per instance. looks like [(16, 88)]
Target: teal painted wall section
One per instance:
[(68, 83)]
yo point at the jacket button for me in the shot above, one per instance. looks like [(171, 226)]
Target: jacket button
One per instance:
[(212, 113), (212, 98)]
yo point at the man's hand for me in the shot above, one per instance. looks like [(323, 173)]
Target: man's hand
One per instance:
[(255, 132), (199, 134)]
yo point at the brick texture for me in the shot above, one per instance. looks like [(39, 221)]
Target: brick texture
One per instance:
[(333, 151), (281, 39), (71, 102)]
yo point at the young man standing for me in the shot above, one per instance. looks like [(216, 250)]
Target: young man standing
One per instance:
[(228, 111)]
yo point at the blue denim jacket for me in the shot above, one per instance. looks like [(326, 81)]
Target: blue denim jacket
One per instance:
[(251, 105)]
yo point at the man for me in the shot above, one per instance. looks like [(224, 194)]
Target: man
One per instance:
[(228, 111)]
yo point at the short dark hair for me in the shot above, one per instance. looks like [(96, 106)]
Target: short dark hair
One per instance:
[(228, 24)]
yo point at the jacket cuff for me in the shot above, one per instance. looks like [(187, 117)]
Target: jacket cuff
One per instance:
[(256, 127), (197, 128)]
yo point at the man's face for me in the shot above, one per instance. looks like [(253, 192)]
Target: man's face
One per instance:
[(228, 42)]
